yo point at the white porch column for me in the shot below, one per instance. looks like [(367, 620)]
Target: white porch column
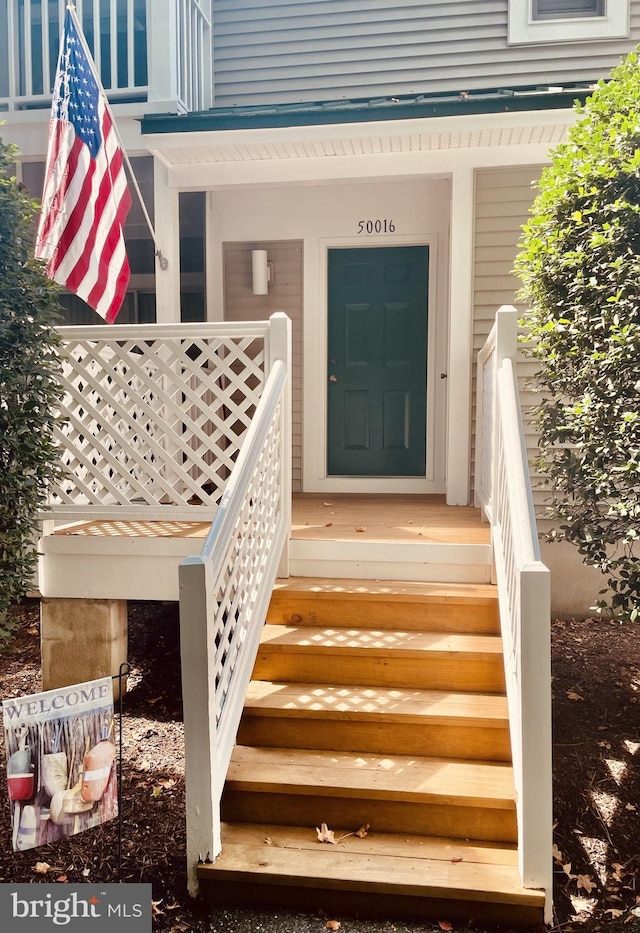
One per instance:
[(458, 466), (162, 29), (167, 227)]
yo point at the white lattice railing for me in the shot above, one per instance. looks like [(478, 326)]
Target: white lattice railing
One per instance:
[(224, 595), (504, 492), (156, 415)]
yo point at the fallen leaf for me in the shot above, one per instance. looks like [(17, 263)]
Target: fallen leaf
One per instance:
[(328, 524), (586, 882), (325, 834), (361, 528), (333, 924), (327, 503), (62, 879), (456, 860), (155, 908), (557, 854), (86, 872), (363, 831), (630, 806), (41, 868), (573, 695), (268, 841), (156, 791), (614, 912), (567, 870), (444, 925)]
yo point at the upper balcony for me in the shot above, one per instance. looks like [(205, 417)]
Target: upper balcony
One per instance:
[(156, 53)]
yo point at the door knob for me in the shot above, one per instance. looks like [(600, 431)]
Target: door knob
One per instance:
[(333, 378)]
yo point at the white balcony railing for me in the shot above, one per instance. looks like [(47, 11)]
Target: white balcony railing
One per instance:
[(153, 51), (503, 490)]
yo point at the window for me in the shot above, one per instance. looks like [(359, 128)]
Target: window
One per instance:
[(566, 9), (567, 20)]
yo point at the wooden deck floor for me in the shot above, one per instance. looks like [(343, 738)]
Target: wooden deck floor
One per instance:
[(401, 518)]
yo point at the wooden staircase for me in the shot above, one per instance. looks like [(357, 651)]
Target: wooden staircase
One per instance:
[(377, 705)]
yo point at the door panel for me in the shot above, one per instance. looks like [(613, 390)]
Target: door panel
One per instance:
[(377, 361)]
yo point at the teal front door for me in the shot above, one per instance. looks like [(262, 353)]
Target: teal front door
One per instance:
[(377, 361)]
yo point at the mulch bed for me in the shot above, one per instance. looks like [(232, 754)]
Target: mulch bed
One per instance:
[(596, 692)]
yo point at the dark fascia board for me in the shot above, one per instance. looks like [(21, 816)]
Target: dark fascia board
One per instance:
[(340, 112)]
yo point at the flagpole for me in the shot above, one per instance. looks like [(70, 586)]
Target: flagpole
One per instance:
[(164, 263)]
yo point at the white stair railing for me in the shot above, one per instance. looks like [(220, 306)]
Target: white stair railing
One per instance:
[(224, 596), (503, 490)]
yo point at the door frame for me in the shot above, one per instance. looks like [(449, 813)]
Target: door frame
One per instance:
[(316, 478)]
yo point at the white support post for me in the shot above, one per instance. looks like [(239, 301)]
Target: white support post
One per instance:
[(506, 334), (535, 828), (162, 58), (167, 226), (458, 467), (198, 698), (280, 349)]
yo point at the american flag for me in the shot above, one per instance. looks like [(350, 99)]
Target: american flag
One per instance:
[(85, 199)]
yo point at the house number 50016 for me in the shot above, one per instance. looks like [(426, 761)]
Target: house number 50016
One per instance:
[(376, 226)]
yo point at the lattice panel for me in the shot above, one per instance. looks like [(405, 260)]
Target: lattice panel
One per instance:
[(155, 422), (249, 548)]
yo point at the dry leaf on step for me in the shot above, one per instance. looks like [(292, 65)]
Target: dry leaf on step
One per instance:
[(444, 925), (573, 695), (361, 528), (586, 882), (325, 834), (362, 832), (333, 924)]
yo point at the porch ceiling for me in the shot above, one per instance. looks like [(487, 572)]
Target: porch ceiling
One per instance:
[(294, 143)]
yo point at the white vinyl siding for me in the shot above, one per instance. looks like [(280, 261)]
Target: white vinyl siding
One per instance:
[(285, 294), (502, 201), (320, 50)]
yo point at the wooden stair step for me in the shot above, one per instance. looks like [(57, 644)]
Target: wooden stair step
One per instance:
[(419, 868), (396, 793), (378, 719), (327, 772), (430, 660), (462, 607)]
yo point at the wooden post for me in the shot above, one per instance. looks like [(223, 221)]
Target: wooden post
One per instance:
[(82, 639)]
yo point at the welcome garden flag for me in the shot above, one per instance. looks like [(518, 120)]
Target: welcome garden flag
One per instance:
[(61, 776)]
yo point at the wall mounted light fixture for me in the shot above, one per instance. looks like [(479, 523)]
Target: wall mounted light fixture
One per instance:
[(260, 271)]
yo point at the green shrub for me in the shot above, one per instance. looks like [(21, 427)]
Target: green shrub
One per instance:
[(29, 387), (580, 269)]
